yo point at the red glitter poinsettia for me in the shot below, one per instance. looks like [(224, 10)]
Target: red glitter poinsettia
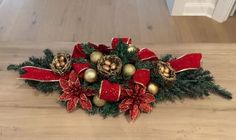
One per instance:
[(136, 100), (74, 93)]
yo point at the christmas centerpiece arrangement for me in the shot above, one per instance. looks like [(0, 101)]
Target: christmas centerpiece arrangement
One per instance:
[(119, 78)]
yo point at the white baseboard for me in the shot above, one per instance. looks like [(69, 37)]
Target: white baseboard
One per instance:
[(191, 8), (198, 9)]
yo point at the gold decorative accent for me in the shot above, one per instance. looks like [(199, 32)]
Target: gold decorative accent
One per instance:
[(90, 75), (109, 65), (129, 69), (95, 56), (166, 71), (132, 48), (98, 101), (100, 90), (61, 63), (153, 88)]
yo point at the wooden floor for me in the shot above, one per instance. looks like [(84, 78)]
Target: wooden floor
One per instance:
[(26, 114), (100, 20), (29, 26)]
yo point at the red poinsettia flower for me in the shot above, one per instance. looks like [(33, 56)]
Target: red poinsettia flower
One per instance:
[(74, 93), (136, 100)]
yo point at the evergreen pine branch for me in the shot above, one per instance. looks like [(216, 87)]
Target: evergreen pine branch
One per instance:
[(166, 57), (87, 49), (122, 52), (191, 84), (109, 109), (216, 89)]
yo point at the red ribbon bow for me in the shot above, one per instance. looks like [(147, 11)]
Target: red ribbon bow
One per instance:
[(186, 62)]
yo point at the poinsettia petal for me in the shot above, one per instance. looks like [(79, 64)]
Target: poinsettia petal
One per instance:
[(137, 88), (73, 76), (134, 112), (125, 105), (63, 83), (83, 97), (77, 83), (147, 98), (142, 91), (65, 97), (76, 100), (144, 107), (129, 92), (71, 105), (85, 102)]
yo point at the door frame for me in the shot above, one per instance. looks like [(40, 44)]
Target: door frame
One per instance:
[(223, 10)]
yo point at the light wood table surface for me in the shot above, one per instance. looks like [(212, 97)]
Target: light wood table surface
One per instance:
[(28, 114)]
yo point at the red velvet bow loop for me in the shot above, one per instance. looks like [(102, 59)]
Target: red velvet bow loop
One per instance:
[(113, 91), (186, 62), (109, 91), (142, 77), (80, 67), (78, 52), (115, 41), (101, 47), (146, 54)]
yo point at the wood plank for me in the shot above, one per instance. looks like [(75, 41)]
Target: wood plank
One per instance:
[(28, 114), (80, 20)]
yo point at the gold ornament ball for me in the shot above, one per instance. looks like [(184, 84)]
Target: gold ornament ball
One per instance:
[(62, 58), (58, 65), (90, 75), (98, 102), (95, 56), (131, 48), (107, 62), (167, 70), (153, 88), (129, 70), (113, 66), (166, 74), (105, 67), (162, 68), (62, 64)]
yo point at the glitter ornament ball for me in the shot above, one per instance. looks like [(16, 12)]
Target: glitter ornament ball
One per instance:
[(90, 75)]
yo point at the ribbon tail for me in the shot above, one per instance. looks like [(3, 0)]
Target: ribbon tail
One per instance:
[(186, 62), (40, 74)]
